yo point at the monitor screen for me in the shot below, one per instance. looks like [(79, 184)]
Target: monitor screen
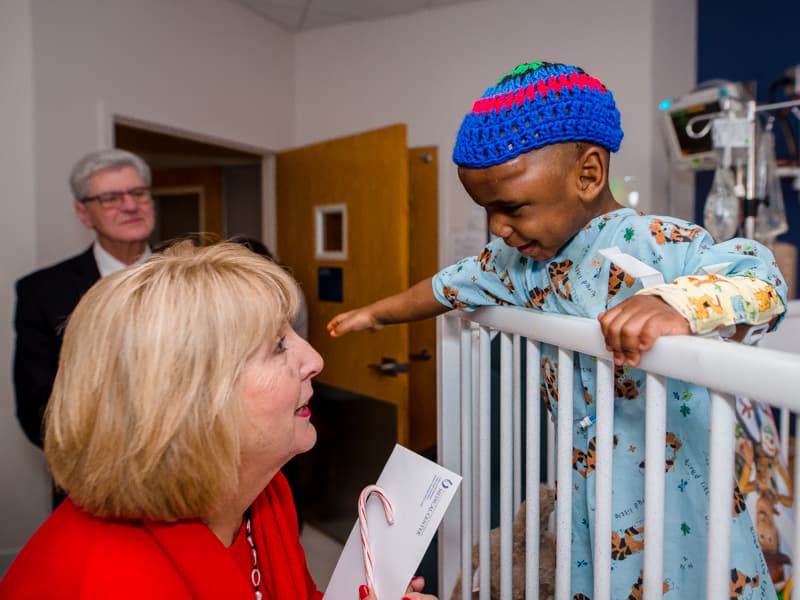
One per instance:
[(680, 118)]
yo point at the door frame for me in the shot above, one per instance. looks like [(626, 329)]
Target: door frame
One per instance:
[(108, 116)]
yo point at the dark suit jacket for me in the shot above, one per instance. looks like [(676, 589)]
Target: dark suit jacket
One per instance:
[(45, 299)]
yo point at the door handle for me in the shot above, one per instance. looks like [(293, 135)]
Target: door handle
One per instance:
[(424, 355), (390, 366)]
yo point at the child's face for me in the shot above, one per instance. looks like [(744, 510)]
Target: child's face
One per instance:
[(535, 201)]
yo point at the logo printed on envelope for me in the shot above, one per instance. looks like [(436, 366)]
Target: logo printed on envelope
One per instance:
[(433, 496)]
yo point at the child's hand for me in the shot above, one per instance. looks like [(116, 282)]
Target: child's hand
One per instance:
[(415, 303), (632, 327), (353, 320)]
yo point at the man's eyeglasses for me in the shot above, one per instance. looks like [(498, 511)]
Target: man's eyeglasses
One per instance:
[(115, 199)]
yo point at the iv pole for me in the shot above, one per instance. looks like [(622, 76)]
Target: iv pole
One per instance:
[(751, 202)]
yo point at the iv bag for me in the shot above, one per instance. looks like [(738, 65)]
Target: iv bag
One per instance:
[(771, 216), (721, 214)]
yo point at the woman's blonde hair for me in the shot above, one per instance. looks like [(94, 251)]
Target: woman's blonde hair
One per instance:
[(144, 417)]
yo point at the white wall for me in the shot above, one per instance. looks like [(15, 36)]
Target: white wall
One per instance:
[(24, 499), (674, 74), (209, 67), (425, 70)]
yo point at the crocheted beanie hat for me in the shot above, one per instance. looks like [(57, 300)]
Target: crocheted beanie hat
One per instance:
[(535, 105)]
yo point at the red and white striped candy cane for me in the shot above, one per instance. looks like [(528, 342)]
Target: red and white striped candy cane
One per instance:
[(362, 522)]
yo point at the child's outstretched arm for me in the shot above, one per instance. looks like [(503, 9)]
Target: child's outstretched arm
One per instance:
[(416, 303)]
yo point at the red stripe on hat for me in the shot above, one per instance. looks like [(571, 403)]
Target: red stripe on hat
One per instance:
[(542, 87)]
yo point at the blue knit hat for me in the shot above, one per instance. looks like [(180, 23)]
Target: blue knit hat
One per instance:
[(535, 105)]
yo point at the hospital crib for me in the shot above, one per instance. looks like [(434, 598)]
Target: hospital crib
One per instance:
[(465, 350)]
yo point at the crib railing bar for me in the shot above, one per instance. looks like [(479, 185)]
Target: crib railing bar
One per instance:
[(449, 447), (466, 459), (533, 427), (654, 477), (476, 424), (517, 420), (484, 462), (720, 497), (796, 588), (564, 474), (689, 358), (551, 452), (506, 466), (784, 431), (604, 431)]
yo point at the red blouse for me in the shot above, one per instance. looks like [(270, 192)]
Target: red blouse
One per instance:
[(75, 555)]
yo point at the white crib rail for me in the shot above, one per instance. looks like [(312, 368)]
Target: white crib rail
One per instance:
[(728, 369)]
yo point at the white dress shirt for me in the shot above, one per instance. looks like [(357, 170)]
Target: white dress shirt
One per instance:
[(107, 264)]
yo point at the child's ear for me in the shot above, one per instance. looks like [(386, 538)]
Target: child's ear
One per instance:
[(592, 172)]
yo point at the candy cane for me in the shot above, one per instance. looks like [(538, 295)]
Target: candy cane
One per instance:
[(362, 522)]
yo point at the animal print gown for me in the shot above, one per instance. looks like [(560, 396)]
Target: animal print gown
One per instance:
[(578, 281)]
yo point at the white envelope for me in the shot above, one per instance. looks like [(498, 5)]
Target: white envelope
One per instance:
[(420, 491)]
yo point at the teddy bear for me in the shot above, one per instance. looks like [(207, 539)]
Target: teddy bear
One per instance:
[(547, 554)]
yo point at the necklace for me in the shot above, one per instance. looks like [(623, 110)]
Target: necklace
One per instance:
[(255, 574)]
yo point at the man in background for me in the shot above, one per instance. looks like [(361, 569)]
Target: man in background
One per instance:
[(112, 196)]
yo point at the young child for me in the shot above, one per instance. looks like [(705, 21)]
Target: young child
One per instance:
[(534, 153)]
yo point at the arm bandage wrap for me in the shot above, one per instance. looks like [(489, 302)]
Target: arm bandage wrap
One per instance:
[(711, 302)]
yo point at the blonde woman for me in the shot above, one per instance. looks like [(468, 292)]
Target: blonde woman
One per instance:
[(177, 400)]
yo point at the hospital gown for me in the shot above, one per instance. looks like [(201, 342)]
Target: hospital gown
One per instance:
[(578, 281)]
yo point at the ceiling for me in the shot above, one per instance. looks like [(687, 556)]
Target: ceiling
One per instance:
[(301, 15)]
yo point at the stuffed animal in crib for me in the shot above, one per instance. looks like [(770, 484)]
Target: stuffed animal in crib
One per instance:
[(547, 554)]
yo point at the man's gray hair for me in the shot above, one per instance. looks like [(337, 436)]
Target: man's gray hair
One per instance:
[(100, 160)]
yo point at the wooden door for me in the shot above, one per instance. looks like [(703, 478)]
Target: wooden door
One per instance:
[(369, 174)]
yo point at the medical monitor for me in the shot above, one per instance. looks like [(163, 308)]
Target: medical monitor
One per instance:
[(688, 134)]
